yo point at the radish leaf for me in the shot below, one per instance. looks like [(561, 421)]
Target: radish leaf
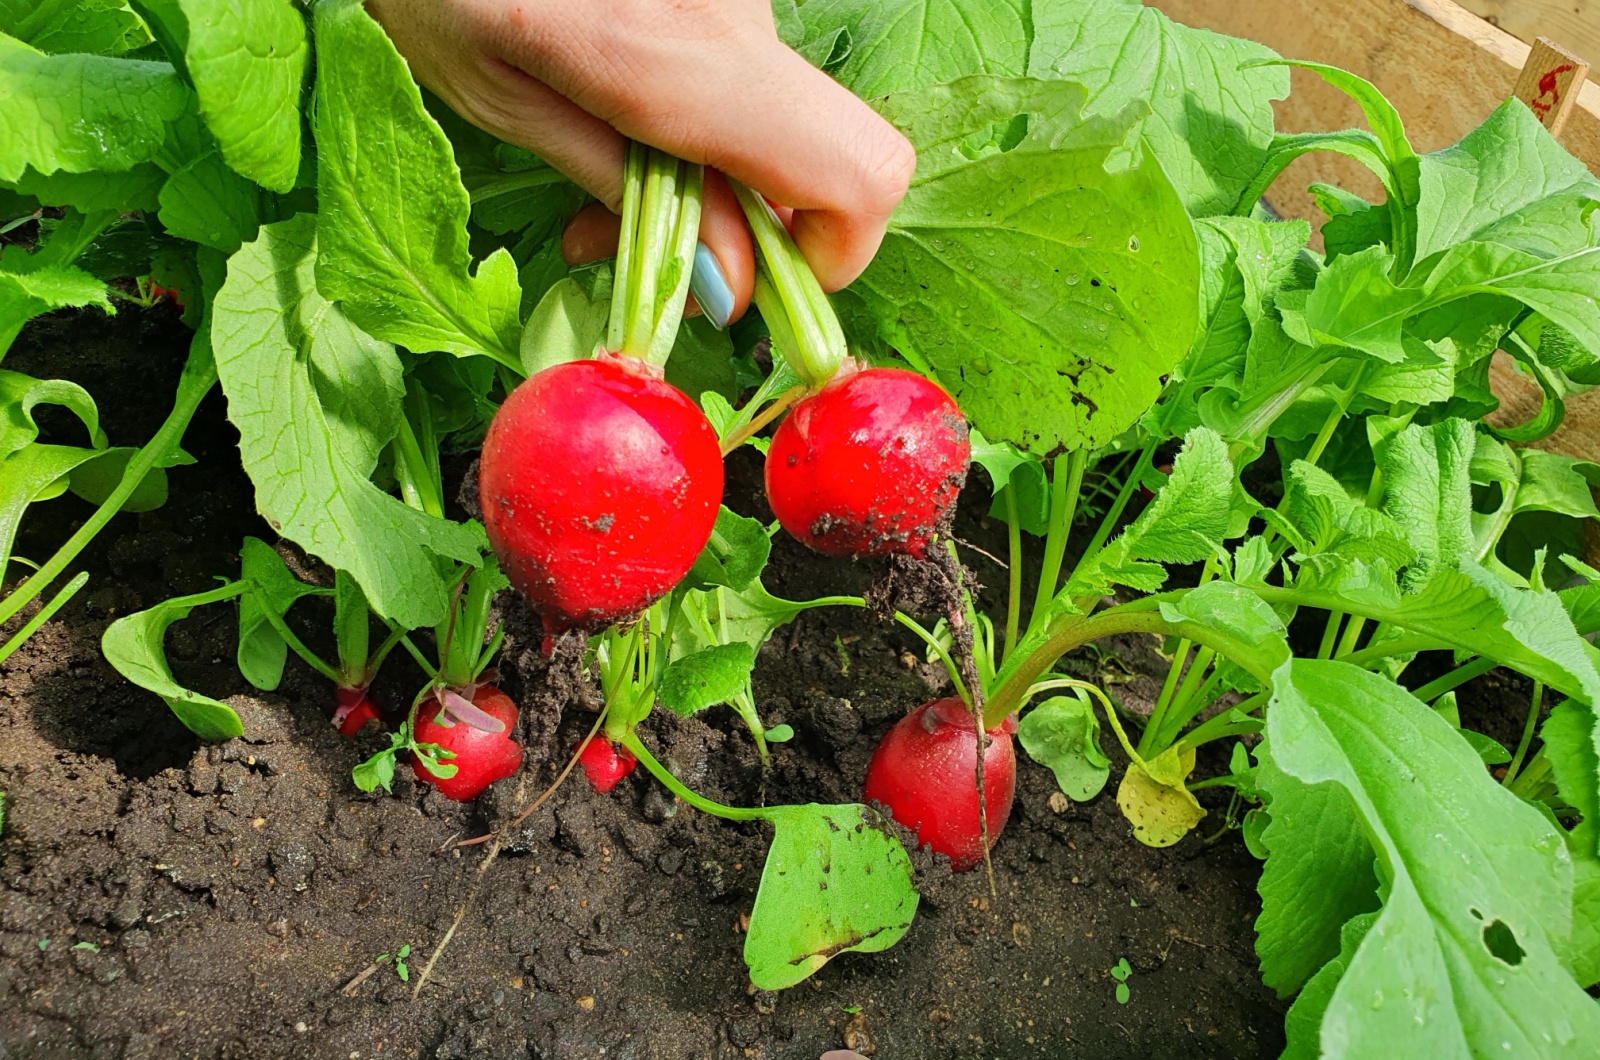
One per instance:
[(81, 112), (834, 882), (1063, 734), (315, 400), (247, 61), (1048, 286), (708, 677), (1460, 959), (393, 212), (133, 645)]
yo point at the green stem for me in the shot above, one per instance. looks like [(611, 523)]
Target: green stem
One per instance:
[(1352, 636), (1014, 589), (1528, 726), (46, 613), (818, 346), (1454, 679), (1330, 634), (631, 741), (1069, 631), (1224, 725), (1124, 495), (199, 375), (1066, 482), (944, 656), (296, 645), (633, 168)]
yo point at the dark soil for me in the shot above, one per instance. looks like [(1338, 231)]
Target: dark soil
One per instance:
[(159, 898)]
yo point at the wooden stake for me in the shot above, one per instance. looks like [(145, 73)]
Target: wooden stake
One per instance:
[(1550, 81)]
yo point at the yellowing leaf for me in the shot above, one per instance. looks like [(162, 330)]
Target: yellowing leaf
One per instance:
[(1155, 800)]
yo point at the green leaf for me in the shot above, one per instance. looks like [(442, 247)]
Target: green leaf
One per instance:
[(1303, 1021), (1185, 523), (247, 61), (203, 200), (1210, 121), (1327, 519), (59, 27), (1229, 609), (21, 394), (1569, 745), (95, 480), (123, 191), (834, 882), (26, 295), (735, 554), (1063, 734), (714, 675), (393, 212), (1354, 304), (1318, 875), (1507, 181), (568, 323), (32, 473), (1049, 286), (1560, 287), (702, 360), (315, 401), (1460, 959), (81, 112), (133, 645), (1428, 492), (262, 651)]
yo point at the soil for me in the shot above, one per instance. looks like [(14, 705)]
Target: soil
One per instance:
[(160, 898)]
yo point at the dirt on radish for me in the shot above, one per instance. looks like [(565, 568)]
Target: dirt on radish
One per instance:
[(229, 892)]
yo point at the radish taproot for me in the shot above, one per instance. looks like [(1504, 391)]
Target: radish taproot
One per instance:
[(606, 764), (600, 484), (352, 710), (924, 770), (481, 756), (869, 465)]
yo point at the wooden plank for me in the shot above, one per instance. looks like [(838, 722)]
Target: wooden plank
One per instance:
[(1546, 83), (1575, 23)]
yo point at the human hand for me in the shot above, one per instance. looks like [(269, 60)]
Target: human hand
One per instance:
[(707, 80)]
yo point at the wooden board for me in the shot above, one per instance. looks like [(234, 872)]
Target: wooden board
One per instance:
[(1575, 23)]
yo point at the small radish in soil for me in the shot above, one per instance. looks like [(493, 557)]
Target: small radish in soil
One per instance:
[(869, 465), (352, 710), (924, 771), (481, 757), (606, 764), (600, 484)]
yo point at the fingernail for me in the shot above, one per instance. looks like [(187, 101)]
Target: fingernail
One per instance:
[(711, 288)]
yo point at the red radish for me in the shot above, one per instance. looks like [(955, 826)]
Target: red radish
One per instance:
[(925, 772), (481, 758), (606, 763), (352, 710), (868, 465), (600, 484)]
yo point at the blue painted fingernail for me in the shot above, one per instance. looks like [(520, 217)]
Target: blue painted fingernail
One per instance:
[(711, 288)]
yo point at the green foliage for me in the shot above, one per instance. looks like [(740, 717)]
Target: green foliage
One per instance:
[(710, 676), (834, 882), (1461, 957), (1073, 203), (133, 644), (1063, 734), (311, 447)]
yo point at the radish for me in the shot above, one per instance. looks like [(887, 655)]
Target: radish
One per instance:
[(924, 772), (869, 465), (481, 756), (606, 764), (352, 710), (600, 484)]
